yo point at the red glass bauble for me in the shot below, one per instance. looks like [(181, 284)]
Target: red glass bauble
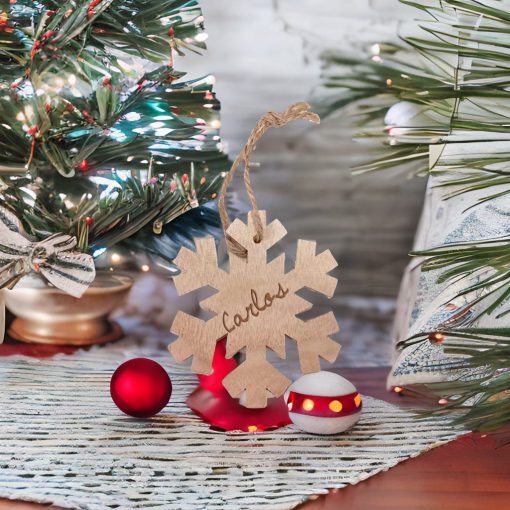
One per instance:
[(215, 406), (140, 387), (221, 367)]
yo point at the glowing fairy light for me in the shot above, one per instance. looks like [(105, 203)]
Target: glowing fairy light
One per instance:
[(99, 251), (132, 116), (163, 132), (145, 268), (115, 258), (375, 49), (436, 338)]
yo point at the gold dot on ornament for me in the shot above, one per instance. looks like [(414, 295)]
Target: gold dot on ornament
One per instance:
[(335, 406), (252, 428), (307, 404), (357, 400)]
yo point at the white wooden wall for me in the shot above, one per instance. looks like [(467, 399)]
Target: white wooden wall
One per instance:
[(264, 55)]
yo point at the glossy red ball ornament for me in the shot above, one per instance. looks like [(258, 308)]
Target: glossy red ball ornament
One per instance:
[(140, 387)]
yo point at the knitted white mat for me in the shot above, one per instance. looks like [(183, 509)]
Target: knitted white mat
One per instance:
[(63, 441)]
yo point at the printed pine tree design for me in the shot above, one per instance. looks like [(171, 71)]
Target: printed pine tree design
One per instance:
[(255, 308)]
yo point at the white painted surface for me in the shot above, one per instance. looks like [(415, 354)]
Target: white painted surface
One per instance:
[(264, 55)]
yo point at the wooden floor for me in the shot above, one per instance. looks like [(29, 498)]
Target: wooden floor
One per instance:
[(470, 473)]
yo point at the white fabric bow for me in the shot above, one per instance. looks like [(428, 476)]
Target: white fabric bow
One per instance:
[(70, 271)]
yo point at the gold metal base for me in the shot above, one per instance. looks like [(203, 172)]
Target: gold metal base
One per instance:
[(62, 334), (46, 315)]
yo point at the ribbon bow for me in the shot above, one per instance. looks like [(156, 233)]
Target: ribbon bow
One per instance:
[(70, 271)]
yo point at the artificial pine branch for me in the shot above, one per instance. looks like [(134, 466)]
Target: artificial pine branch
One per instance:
[(453, 80), (99, 134)]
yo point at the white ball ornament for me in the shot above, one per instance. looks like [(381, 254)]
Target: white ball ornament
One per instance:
[(323, 403)]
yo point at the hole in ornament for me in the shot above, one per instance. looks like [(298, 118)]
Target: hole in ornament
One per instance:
[(257, 239)]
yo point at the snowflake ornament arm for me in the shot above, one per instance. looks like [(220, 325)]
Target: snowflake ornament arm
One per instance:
[(313, 336), (198, 269)]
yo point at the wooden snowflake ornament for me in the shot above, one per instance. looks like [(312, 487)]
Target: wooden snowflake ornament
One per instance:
[(256, 305)]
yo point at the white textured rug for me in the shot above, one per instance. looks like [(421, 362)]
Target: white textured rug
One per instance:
[(63, 441)]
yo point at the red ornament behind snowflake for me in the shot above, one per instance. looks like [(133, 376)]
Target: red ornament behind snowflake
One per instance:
[(220, 368), (257, 304), (140, 387)]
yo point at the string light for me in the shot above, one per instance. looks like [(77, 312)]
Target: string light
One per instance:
[(398, 389), (436, 338), (375, 49), (145, 268)]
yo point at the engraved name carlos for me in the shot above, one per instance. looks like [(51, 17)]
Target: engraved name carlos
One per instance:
[(254, 309)]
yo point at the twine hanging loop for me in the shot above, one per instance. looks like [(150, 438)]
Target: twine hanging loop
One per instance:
[(296, 111)]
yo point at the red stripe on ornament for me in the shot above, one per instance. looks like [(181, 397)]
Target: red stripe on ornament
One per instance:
[(324, 407)]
